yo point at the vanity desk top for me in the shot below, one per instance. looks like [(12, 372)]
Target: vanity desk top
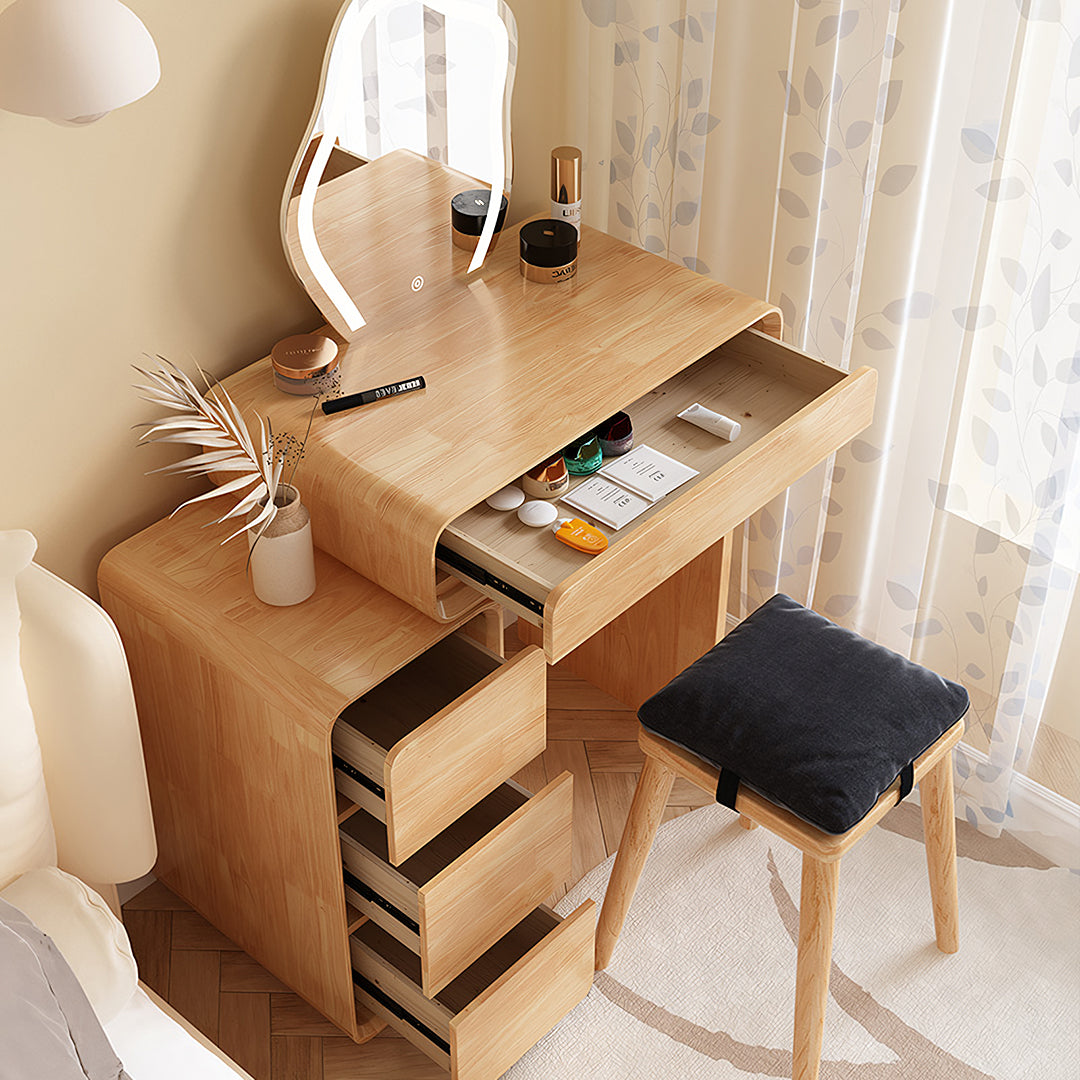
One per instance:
[(515, 370)]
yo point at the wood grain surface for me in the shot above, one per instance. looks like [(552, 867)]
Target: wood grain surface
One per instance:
[(514, 371), (236, 702)]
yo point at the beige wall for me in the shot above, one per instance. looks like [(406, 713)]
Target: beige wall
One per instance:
[(155, 230)]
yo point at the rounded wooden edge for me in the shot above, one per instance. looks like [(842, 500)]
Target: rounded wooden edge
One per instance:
[(368, 1025)]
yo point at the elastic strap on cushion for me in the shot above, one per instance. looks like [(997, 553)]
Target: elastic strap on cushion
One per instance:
[(727, 788), (907, 781)]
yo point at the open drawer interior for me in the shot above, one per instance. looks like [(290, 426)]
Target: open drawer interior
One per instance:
[(417, 750), (440, 903), (482, 1021), (768, 387)]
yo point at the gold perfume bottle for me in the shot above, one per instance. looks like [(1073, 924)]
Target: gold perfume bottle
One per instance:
[(566, 186)]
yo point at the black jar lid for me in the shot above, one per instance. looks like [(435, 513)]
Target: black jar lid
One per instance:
[(548, 242), (468, 210)]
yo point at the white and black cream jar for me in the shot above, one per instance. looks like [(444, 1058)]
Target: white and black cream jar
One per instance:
[(548, 250)]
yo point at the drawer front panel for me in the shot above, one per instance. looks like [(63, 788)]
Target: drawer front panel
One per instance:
[(667, 541), (491, 887), (794, 411), (498, 1008), (464, 752), (525, 1003)]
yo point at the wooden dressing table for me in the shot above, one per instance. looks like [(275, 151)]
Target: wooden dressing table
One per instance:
[(446, 862)]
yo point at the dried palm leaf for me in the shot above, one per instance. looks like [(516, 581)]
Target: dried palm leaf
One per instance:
[(212, 422)]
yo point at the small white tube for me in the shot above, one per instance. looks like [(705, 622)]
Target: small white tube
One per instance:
[(713, 422)]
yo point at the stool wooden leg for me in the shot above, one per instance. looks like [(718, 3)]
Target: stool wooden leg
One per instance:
[(746, 823), (650, 797), (939, 834), (817, 915)]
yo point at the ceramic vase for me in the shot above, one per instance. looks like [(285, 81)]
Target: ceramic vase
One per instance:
[(283, 557)]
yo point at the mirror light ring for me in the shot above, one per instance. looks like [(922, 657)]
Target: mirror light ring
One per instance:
[(311, 252)]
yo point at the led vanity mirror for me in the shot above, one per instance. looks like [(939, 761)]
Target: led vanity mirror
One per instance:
[(408, 90)]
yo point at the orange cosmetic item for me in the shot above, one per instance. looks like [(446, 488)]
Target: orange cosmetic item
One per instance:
[(579, 534)]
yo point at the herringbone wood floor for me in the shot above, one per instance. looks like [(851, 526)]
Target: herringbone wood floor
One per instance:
[(273, 1033)]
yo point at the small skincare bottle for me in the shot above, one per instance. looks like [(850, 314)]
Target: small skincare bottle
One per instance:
[(548, 480), (566, 186)]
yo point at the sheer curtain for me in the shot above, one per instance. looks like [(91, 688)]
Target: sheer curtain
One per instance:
[(902, 180)]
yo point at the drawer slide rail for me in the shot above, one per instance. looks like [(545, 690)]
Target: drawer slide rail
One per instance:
[(372, 897), (354, 773), (399, 1011), (485, 577)]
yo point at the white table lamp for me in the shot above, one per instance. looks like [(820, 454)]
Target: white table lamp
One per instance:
[(72, 61)]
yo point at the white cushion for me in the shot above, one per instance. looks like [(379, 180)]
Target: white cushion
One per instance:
[(26, 832), (89, 936)]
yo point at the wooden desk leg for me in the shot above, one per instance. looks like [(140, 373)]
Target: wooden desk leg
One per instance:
[(643, 649), (487, 628), (646, 811)]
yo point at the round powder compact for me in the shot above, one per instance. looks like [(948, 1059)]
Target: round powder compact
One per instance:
[(306, 364), (507, 498), (548, 250), (468, 212), (537, 514)]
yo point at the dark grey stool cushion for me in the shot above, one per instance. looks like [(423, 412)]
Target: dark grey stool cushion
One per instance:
[(812, 716)]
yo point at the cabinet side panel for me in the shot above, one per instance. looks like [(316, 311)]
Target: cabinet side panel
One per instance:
[(244, 808)]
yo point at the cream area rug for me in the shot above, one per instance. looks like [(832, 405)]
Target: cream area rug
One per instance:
[(702, 983)]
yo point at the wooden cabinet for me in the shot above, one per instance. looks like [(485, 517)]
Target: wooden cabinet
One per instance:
[(516, 370), (248, 714), (260, 790)]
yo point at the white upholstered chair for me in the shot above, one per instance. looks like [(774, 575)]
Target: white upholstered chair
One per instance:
[(84, 713), (74, 805)]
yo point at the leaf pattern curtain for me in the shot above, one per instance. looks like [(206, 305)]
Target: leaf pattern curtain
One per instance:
[(901, 178)]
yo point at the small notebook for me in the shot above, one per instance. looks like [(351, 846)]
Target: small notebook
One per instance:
[(608, 503), (648, 473)]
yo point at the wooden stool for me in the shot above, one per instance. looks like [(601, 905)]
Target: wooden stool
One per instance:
[(754, 661)]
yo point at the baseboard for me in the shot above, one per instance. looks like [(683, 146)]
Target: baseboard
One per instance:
[(1041, 818)]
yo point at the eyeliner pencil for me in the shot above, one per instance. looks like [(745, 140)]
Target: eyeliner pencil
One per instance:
[(366, 397)]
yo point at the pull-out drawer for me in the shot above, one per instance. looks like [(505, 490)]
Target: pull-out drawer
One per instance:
[(437, 736), (469, 885), (794, 412), (484, 1020)]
